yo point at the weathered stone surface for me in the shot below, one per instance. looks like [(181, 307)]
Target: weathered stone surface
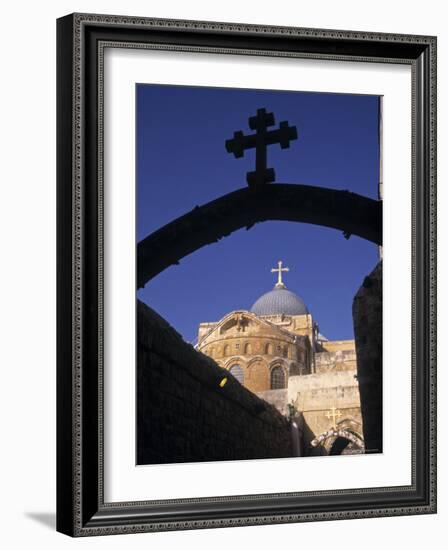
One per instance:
[(318, 374), (185, 415), (367, 317), (258, 345)]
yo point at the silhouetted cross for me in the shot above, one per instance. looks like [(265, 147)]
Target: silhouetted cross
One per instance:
[(260, 141)]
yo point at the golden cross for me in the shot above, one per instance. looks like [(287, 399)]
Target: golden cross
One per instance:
[(279, 270), (334, 414)]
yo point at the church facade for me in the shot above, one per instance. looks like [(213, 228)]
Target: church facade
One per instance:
[(276, 351)]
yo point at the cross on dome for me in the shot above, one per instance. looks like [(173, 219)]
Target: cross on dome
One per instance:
[(279, 300), (280, 269)]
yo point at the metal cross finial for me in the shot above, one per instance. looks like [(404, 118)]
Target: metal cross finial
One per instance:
[(334, 414), (279, 270), (260, 141)]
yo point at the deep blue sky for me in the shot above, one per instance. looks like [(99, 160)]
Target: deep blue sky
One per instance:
[(182, 162)]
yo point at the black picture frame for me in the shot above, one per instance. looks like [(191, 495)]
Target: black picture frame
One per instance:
[(81, 510)]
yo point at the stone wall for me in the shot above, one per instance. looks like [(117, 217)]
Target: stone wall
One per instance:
[(278, 398), (256, 347), (367, 318), (314, 395), (339, 360), (184, 411), (338, 345)]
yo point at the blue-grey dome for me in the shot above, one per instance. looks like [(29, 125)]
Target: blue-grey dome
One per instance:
[(279, 301)]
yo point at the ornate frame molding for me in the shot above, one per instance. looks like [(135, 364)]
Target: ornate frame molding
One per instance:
[(81, 42)]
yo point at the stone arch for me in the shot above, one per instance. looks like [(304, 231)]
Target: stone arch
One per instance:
[(278, 362), (247, 350), (342, 210), (337, 441), (228, 362), (226, 350), (351, 424), (256, 359)]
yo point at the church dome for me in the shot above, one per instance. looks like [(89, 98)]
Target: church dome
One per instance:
[(279, 301)]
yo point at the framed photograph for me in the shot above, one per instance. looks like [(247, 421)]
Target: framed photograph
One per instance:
[(246, 274)]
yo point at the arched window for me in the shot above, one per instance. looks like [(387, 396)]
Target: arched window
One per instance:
[(226, 350), (238, 373), (277, 378), (247, 349), (269, 350)]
